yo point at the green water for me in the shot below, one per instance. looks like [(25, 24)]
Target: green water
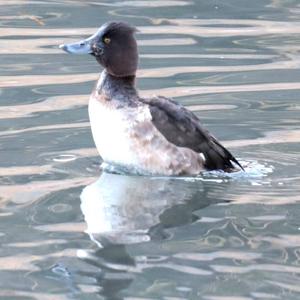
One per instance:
[(69, 232)]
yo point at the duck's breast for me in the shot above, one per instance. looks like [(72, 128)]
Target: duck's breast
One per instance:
[(112, 129), (127, 136)]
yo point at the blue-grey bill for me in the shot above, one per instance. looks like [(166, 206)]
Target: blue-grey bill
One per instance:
[(81, 47)]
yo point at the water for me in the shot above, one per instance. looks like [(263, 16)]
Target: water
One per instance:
[(69, 232)]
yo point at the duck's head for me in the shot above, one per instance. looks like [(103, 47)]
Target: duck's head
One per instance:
[(114, 47)]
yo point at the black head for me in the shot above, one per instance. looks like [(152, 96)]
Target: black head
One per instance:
[(114, 47)]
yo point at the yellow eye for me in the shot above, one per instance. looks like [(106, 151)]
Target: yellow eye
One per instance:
[(106, 40)]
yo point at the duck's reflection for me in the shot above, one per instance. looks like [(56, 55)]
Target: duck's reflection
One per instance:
[(121, 210)]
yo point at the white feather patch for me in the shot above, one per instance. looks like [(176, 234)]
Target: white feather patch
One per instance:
[(112, 129), (203, 157)]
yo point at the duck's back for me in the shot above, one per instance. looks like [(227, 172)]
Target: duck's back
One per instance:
[(182, 128)]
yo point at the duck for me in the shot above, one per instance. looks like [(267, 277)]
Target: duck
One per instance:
[(150, 136)]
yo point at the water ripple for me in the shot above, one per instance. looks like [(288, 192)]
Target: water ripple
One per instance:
[(218, 236)]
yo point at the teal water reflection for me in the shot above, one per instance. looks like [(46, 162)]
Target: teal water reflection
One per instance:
[(69, 231)]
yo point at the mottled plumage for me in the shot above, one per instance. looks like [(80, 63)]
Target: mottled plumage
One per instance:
[(149, 135), (182, 128)]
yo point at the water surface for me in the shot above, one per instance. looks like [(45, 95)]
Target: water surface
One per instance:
[(69, 232)]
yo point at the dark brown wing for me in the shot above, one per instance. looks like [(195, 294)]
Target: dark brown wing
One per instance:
[(182, 128)]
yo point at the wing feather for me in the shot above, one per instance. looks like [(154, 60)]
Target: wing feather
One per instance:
[(182, 128)]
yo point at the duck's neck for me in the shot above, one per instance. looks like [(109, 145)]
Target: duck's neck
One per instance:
[(117, 88)]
